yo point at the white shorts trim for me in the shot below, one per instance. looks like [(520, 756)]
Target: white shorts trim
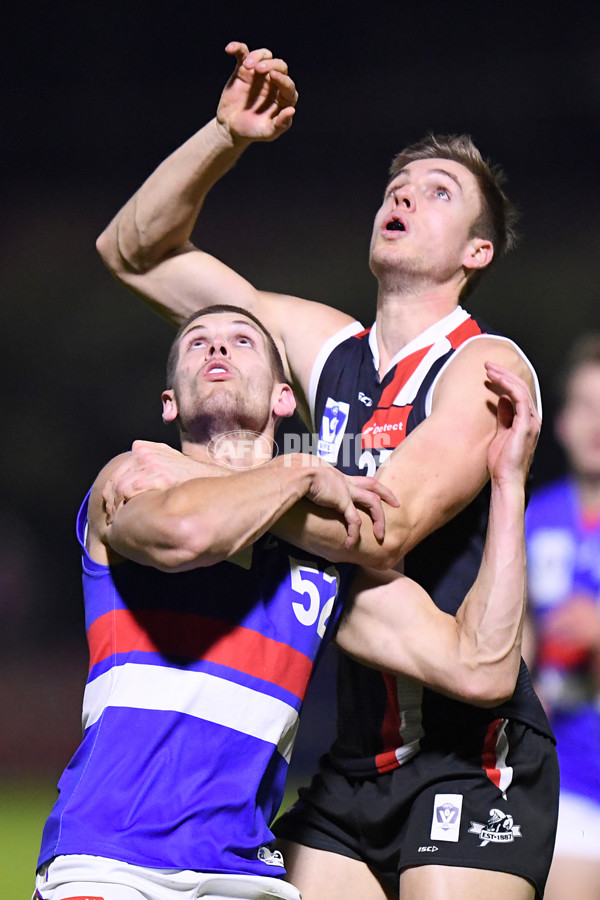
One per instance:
[(578, 832), (79, 875)]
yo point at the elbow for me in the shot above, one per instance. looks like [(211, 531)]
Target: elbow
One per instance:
[(123, 253), (385, 555), (188, 544), (110, 251), (488, 686)]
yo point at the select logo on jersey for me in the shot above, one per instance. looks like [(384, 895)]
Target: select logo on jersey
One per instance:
[(386, 427), (500, 829), (333, 427), (447, 811)]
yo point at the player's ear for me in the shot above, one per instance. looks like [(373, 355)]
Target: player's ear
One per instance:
[(284, 402), (169, 403), (478, 254)]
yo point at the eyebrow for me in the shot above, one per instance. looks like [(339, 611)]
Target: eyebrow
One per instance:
[(436, 171), (201, 326)]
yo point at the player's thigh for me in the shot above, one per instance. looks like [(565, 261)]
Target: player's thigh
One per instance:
[(458, 883), (320, 874), (567, 872)]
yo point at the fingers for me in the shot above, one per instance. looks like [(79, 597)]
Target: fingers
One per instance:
[(237, 49), (519, 394), (139, 472), (380, 489), (368, 494), (353, 523), (371, 503), (273, 70), (113, 492)]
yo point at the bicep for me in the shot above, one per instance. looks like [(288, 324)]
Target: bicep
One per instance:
[(442, 464)]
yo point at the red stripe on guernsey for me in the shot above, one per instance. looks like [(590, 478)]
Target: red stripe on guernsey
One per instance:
[(489, 756), (190, 636), (387, 425), (390, 728), (468, 329), (404, 369), (362, 334), (385, 428)]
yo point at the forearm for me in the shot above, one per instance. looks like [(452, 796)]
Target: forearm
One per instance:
[(158, 220), (323, 532), (490, 620), (206, 520)]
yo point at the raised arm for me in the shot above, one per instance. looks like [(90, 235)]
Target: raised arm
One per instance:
[(147, 245), (392, 623)]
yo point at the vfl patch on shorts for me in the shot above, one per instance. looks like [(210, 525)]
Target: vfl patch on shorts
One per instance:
[(447, 811)]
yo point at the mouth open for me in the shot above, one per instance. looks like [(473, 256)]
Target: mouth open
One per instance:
[(395, 225), (216, 370)]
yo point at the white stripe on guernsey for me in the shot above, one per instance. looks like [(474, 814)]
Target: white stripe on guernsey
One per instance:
[(502, 748), (429, 336), (410, 708), (408, 391), (478, 337), (322, 357), (196, 694)]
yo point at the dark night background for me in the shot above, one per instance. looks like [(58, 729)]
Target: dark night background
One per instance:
[(97, 95)]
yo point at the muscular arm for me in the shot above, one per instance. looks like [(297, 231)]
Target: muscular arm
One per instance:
[(147, 245), (393, 624), (435, 472), (206, 519)]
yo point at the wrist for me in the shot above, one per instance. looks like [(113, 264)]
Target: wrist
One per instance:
[(509, 490), (227, 138), (297, 470)]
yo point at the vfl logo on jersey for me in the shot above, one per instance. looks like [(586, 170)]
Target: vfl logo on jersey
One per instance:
[(445, 823), (333, 426), (500, 829), (386, 427)]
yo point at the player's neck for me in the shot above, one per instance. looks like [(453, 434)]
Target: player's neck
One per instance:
[(231, 450), (401, 317)]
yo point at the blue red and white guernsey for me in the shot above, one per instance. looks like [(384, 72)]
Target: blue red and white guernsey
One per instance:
[(191, 707), (563, 562), (384, 721)]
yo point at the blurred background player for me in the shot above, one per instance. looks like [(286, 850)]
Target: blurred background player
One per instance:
[(563, 549)]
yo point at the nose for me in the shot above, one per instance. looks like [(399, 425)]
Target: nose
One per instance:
[(404, 197), (218, 347)]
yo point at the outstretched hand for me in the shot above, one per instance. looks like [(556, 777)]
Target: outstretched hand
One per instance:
[(518, 426), (258, 102)]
